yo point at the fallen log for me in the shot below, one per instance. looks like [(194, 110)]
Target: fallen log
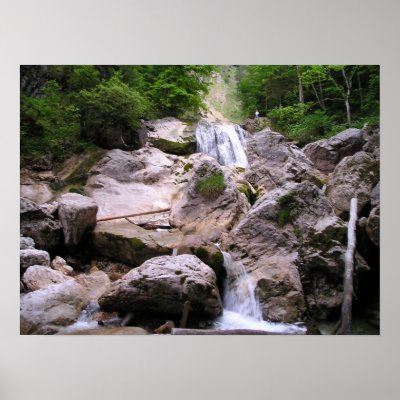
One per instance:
[(345, 318), (181, 331), (133, 215)]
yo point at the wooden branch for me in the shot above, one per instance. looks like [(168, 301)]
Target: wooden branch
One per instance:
[(133, 215), (185, 312), (345, 326), (180, 331)]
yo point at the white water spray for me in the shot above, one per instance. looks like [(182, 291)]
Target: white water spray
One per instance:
[(224, 142), (242, 309)]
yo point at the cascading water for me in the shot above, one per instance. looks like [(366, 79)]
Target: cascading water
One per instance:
[(224, 142), (85, 320), (242, 309)]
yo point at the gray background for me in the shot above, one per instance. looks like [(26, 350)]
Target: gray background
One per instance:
[(205, 32)]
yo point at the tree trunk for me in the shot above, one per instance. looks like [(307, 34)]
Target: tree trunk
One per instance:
[(301, 93), (345, 325), (348, 111)]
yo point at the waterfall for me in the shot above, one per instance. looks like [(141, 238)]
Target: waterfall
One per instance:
[(239, 290), (242, 309), (85, 320), (224, 142)]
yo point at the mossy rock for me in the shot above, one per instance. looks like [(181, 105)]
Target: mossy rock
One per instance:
[(211, 187), (214, 260), (188, 146), (287, 205)]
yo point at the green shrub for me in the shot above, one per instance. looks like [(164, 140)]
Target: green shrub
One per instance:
[(110, 104), (310, 127), (187, 167), (211, 187)]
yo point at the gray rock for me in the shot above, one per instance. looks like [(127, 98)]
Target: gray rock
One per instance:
[(46, 310), (39, 225), (172, 136), (162, 285), (274, 162), (208, 214), (39, 276), (292, 244), (327, 153), (59, 264), (372, 137), (373, 225), (77, 214), (376, 195), (354, 176), (26, 243), (30, 210), (30, 257)]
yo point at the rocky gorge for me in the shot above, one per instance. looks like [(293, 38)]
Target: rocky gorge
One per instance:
[(140, 238)]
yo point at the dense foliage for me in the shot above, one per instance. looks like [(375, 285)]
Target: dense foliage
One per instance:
[(311, 101), (65, 108)]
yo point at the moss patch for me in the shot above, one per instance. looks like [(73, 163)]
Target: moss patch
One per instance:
[(137, 244), (211, 187), (287, 204), (187, 167)]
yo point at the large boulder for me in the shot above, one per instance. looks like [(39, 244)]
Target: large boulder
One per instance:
[(327, 153), (273, 161), (39, 276), (37, 224), (124, 182), (46, 310), (161, 286), (211, 202), (30, 256), (38, 192), (354, 176), (127, 242), (171, 136), (292, 244), (77, 214)]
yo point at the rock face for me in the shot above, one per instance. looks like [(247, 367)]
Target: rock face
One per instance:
[(32, 256), (133, 182), (274, 162), (373, 225), (77, 214), (327, 153), (171, 136), (46, 310), (292, 244), (354, 176), (162, 285), (126, 242), (39, 225), (214, 210), (38, 277)]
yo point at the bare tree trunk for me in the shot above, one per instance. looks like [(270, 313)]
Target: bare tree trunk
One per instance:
[(348, 112), (301, 93), (321, 94), (345, 326), (360, 90)]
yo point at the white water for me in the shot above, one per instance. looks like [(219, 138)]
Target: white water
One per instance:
[(242, 309), (224, 142), (85, 320)]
